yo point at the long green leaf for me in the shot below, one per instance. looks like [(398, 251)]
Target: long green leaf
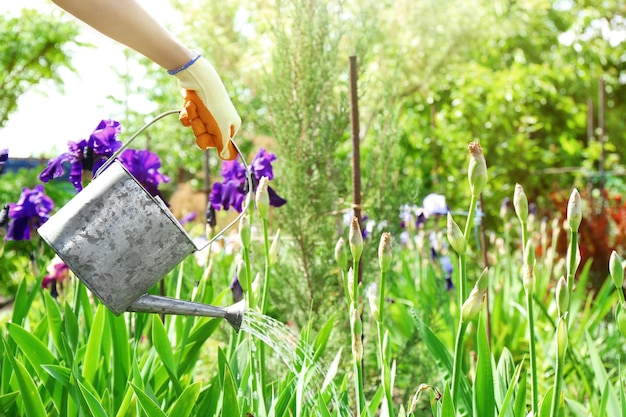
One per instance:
[(121, 357), (93, 403), (187, 400), (506, 409), (505, 383), (444, 361), (20, 305), (162, 345), (577, 409), (34, 350), (447, 406), (195, 342), (92, 352), (601, 377), (520, 396), (70, 322), (55, 323), (484, 398), (322, 338), (546, 403), (33, 404), (59, 373), (230, 400), (8, 401), (149, 406), (209, 398)]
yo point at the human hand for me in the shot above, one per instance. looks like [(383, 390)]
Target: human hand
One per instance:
[(208, 108)]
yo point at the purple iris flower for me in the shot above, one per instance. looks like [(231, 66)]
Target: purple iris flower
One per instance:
[(4, 156), (236, 289), (86, 154), (32, 210), (144, 165), (232, 191)]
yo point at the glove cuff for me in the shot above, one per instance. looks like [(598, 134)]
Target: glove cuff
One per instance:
[(196, 57)]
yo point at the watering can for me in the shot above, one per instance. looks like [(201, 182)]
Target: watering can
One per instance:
[(119, 240)]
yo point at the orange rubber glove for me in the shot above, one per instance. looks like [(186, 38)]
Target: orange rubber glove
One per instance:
[(205, 127), (208, 108)]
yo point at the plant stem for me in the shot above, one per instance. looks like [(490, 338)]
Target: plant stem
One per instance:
[(571, 266), (458, 362), (533, 351), (558, 385), (266, 284), (384, 367)]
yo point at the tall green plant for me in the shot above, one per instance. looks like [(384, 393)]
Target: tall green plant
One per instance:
[(307, 110)]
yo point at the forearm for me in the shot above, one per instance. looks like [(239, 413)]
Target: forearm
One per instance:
[(128, 23)]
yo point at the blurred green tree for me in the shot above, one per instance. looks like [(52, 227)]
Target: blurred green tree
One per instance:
[(34, 48)]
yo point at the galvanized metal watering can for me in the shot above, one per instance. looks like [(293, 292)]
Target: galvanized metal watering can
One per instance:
[(120, 241)]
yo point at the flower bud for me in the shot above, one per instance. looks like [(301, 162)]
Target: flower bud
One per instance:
[(620, 319), (384, 251), (561, 337), (340, 253), (455, 236), (617, 270), (244, 230), (357, 332), (274, 249), (574, 211), (474, 303), (262, 198), (477, 171), (562, 297), (520, 203), (242, 274), (355, 239)]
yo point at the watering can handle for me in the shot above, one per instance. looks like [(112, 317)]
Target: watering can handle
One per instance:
[(247, 200)]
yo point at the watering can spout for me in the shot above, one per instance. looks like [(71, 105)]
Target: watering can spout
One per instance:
[(149, 303)]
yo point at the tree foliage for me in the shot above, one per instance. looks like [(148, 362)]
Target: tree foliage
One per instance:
[(34, 48)]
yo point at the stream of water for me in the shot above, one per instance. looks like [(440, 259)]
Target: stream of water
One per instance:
[(298, 357)]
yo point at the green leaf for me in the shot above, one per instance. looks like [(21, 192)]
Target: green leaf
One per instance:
[(55, 322), (147, 404), (622, 394), (505, 383), (601, 377), (187, 400), (444, 361), (209, 398), (7, 401), (520, 396), (322, 338), (447, 406), (71, 328), (506, 408), (576, 408), (483, 383), (59, 373), (332, 370), (230, 398), (20, 305), (121, 357), (546, 403), (91, 363), (34, 350), (93, 403), (164, 348), (162, 345), (196, 341), (33, 404)]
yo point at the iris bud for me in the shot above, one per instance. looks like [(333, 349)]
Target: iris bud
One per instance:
[(455, 236), (355, 239), (574, 210), (520, 203), (477, 171)]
